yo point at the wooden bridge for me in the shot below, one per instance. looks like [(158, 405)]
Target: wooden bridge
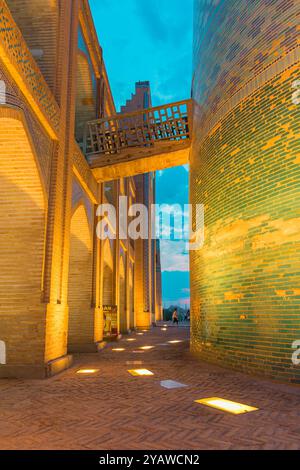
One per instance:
[(138, 142)]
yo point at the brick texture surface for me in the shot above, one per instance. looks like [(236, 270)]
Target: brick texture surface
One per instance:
[(22, 314), (245, 170), (113, 410)]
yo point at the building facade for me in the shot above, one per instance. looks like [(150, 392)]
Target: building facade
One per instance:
[(148, 285), (245, 169), (62, 289)]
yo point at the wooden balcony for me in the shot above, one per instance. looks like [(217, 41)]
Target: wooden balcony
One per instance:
[(142, 141)]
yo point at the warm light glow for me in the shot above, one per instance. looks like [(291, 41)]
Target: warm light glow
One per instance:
[(164, 329), (140, 372), (175, 341), (131, 339), (140, 334), (87, 371), (227, 405), (147, 348), (118, 349)]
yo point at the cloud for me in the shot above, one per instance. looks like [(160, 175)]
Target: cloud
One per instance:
[(176, 192), (151, 17), (183, 303), (147, 40), (173, 256), (186, 291)]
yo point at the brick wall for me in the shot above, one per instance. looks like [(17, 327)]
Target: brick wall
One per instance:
[(22, 231), (37, 175), (245, 170), (38, 21)]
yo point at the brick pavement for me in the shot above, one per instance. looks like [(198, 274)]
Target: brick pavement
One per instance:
[(113, 410)]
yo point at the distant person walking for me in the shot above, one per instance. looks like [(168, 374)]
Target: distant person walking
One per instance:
[(175, 317)]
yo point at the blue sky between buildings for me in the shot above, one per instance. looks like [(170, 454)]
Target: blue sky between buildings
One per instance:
[(152, 40)]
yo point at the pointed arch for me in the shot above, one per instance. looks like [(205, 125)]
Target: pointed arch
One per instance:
[(108, 273), (131, 297), (85, 97), (122, 295), (81, 324), (22, 242)]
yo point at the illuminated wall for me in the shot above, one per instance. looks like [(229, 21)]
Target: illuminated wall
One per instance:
[(81, 313), (51, 274), (245, 169)]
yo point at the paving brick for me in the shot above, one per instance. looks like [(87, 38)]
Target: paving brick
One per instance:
[(112, 410)]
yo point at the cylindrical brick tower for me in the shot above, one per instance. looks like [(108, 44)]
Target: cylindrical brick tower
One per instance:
[(245, 169)]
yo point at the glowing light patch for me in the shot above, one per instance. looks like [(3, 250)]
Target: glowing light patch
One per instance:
[(140, 334), (227, 405), (130, 339), (87, 371), (175, 341), (170, 384), (118, 349), (140, 372), (146, 348), (164, 329)]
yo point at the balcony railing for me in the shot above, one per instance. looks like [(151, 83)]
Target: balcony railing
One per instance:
[(144, 128)]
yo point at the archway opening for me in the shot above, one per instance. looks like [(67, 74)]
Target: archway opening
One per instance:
[(81, 312), (108, 296), (131, 298), (122, 298), (22, 234)]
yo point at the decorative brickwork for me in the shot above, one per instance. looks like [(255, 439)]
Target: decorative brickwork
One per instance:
[(245, 170), (18, 58), (39, 139), (38, 22)]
